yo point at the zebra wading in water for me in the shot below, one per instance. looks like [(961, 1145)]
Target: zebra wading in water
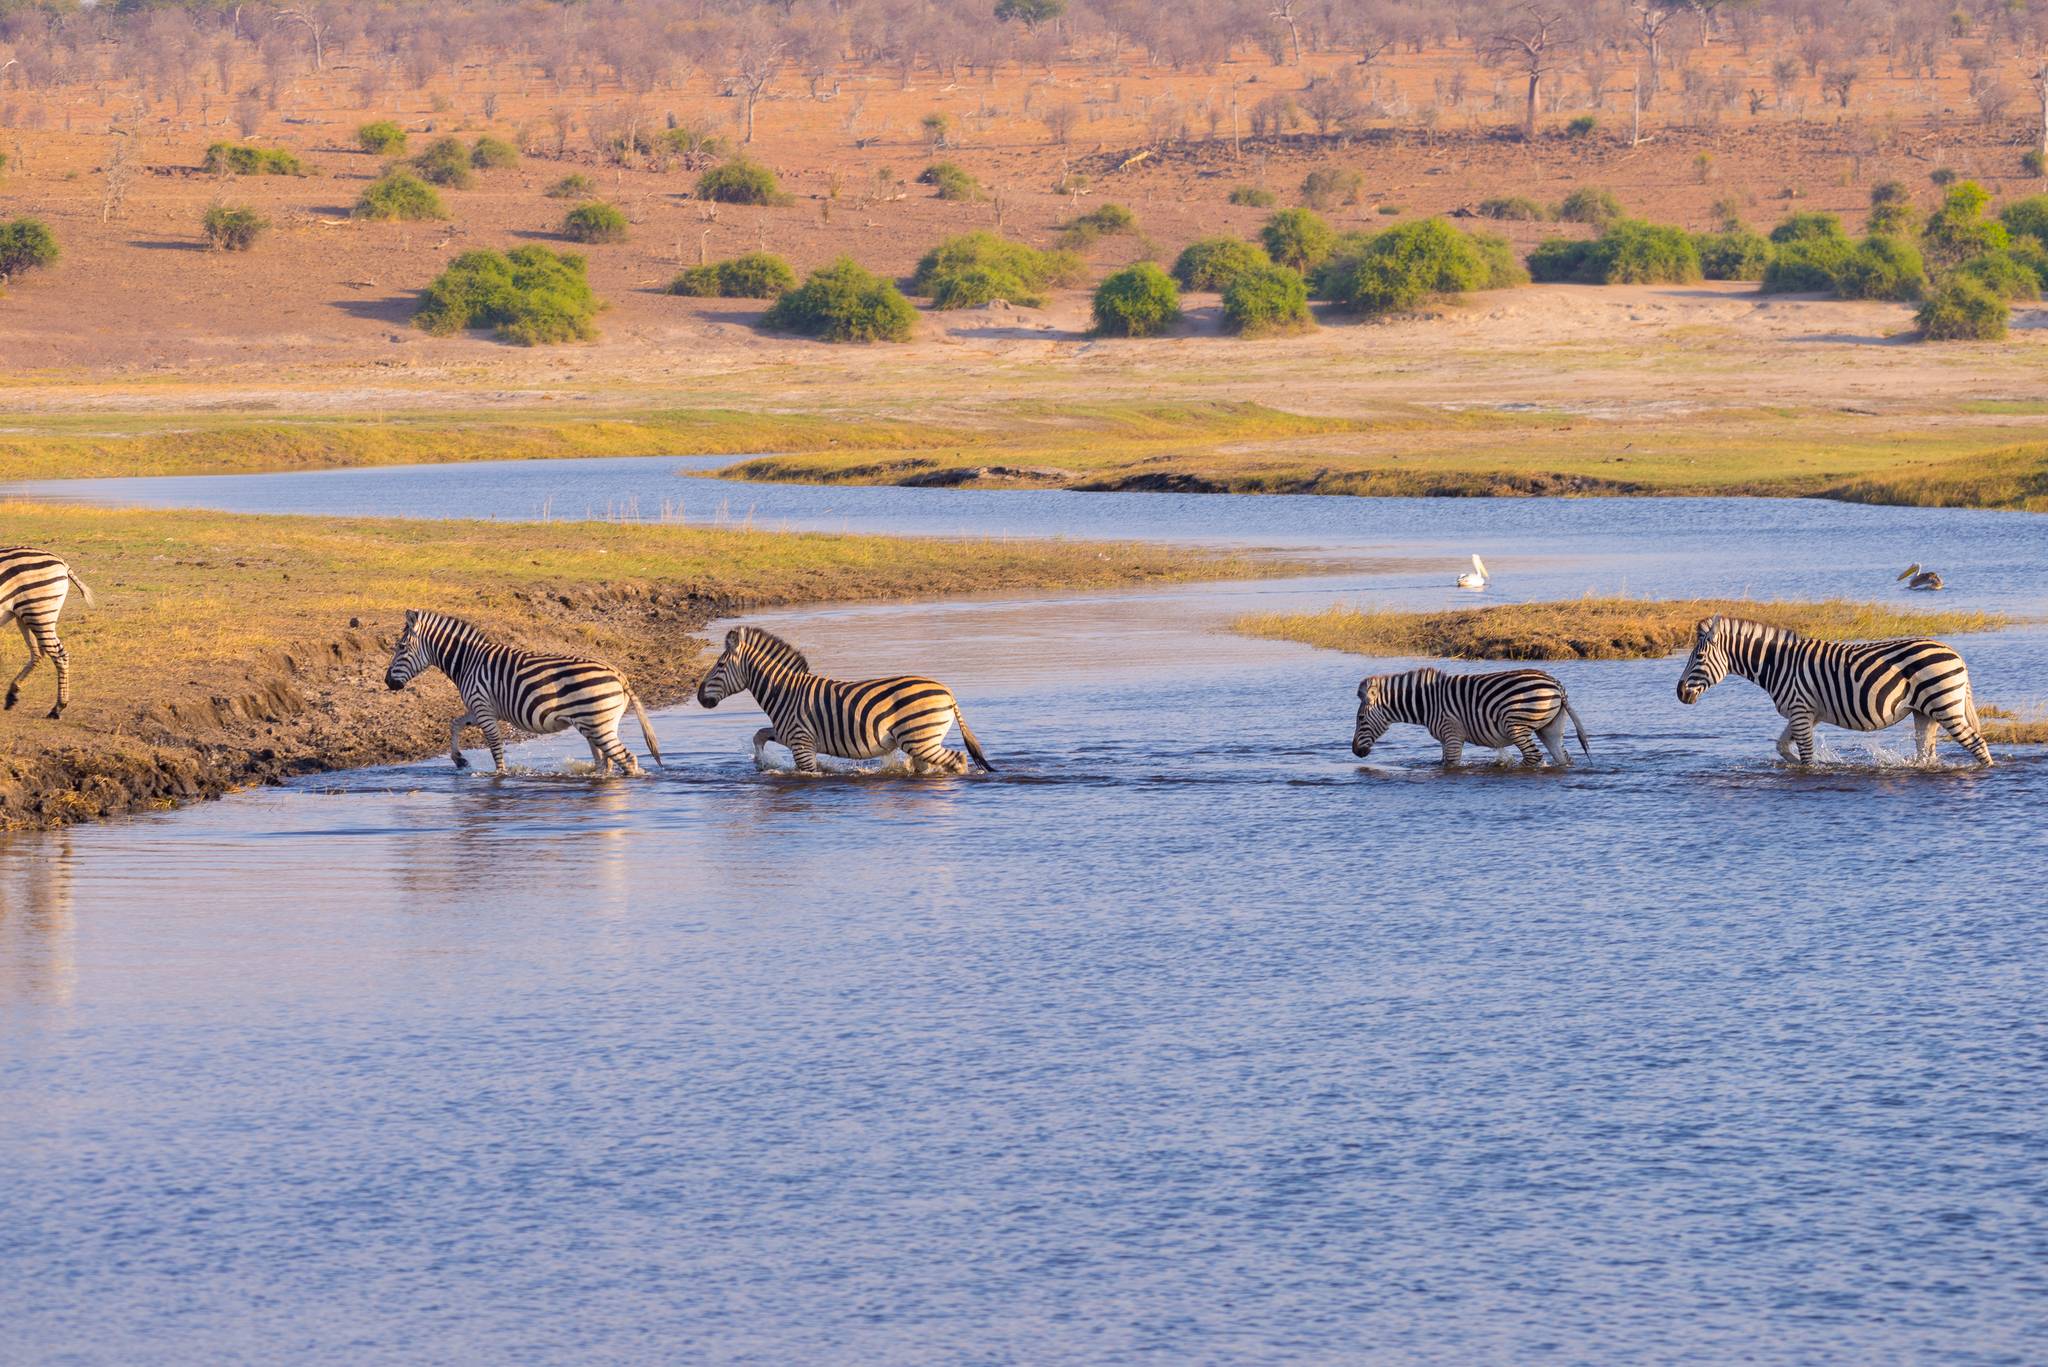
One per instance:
[(1856, 685), (851, 720), (1514, 707), (33, 587), (501, 683)]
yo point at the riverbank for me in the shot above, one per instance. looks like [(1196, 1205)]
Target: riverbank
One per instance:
[(226, 650)]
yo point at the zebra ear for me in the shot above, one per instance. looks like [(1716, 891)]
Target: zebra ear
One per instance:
[(412, 616), (732, 638)]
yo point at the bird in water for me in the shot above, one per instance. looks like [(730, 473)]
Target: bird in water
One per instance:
[(1927, 580), (1474, 578)]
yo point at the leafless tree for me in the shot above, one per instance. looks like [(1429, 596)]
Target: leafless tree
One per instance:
[(315, 22), (1059, 121), (1646, 21), (1533, 41), (1283, 11), (756, 57)]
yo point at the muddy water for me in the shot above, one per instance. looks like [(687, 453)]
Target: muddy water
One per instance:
[(1184, 1037)]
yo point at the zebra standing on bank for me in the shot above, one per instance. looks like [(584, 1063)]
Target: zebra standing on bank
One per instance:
[(1514, 707), (537, 693), (33, 587), (851, 720), (1857, 685)]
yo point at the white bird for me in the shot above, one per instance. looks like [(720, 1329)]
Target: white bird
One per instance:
[(1924, 580), (1475, 578)]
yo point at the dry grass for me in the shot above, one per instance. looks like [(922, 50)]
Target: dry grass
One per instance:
[(1590, 628), (2004, 726)]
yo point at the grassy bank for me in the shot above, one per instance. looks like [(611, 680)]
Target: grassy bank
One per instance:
[(226, 650), (2008, 726), (1590, 628)]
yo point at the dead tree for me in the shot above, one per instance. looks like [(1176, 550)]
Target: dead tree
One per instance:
[(1532, 42)]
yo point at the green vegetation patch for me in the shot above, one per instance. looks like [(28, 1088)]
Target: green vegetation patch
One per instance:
[(529, 295), (1265, 300), (445, 162), (972, 269), (1137, 301), (1211, 263), (243, 159), (596, 221), (399, 196), (844, 302), (26, 244), (233, 227), (741, 181), (382, 138), (756, 275)]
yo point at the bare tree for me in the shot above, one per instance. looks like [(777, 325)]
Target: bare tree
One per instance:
[(1059, 120), (755, 59), (1284, 12), (315, 23), (1646, 21), (1533, 41)]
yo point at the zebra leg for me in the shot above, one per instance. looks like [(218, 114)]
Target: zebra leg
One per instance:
[(1526, 743), (1800, 730), (804, 751), (35, 655), (493, 738), (1925, 729), (761, 739), (1552, 736), (598, 759), (614, 750), (936, 759), (1785, 750), (455, 739), (1454, 750), (1962, 729)]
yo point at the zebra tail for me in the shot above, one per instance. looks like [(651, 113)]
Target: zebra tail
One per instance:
[(646, 731), (973, 745), (1577, 726), (79, 584)]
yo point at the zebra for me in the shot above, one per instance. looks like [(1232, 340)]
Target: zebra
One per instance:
[(33, 586), (1511, 707), (541, 694), (852, 720), (1858, 685)]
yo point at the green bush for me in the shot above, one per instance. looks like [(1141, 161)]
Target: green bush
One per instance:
[(1632, 252), (1137, 301), (493, 154), (1503, 270), (1590, 204), (445, 161), (1251, 197), (1942, 176), (1958, 230), (2027, 218), (399, 195), (844, 303), (1583, 126), (973, 286), (2034, 163), (2002, 274), (572, 186), (1736, 254), (1403, 266), (1266, 299), (1297, 238), (1891, 210), (740, 181), (1327, 186), (1809, 226), (950, 181), (1558, 260), (2030, 252), (596, 221), (692, 142), (383, 138), (25, 244), (240, 159), (1517, 208), (1807, 265), (1882, 267), (233, 228), (1962, 311), (1213, 262), (974, 268), (1103, 220), (756, 275), (530, 295)]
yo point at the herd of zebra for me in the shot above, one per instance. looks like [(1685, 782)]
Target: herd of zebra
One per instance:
[(1856, 685)]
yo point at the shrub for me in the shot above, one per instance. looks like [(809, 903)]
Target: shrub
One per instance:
[(1632, 252), (1891, 209), (572, 186), (240, 159), (1962, 310), (1297, 238), (756, 275), (1736, 254), (596, 221), (2027, 218), (383, 138), (399, 195), (1331, 185), (1101, 221), (740, 181), (1497, 258), (1516, 208), (973, 286), (232, 228), (1942, 176), (1882, 267), (844, 303), (1399, 268), (1590, 204), (1809, 226), (692, 142), (1266, 299), (1557, 260), (1252, 197), (1807, 264), (1213, 262), (530, 295), (2002, 275), (2030, 253), (1583, 126), (25, 244), (2034, 163), (1958, 230), (444, 162), (950, 181), (493, 154), (974, 268), (1137, 301)]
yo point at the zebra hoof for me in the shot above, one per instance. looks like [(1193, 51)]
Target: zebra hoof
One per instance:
[(13, 697), (461, 763), (54, 713)]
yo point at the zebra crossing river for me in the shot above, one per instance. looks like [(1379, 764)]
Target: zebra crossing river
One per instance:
[(1184, 1037)]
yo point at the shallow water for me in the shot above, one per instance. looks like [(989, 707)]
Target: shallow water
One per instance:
[(1184, 1037)]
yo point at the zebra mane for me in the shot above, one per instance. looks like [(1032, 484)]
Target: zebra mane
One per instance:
[(442, 629), (772, 649), (1750, 628)]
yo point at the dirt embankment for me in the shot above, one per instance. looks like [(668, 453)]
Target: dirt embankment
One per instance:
[(321, 705)]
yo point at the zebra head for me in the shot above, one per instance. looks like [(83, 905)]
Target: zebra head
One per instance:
[(410, 657), (1708, 663), (1380, 699), (750, 653)]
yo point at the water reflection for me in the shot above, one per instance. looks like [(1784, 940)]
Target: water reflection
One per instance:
[(38, 925)]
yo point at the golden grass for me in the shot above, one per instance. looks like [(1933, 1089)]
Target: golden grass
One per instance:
[(2005, 726), (1589, 628)]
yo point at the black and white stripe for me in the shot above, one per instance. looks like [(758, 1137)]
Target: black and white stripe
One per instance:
[(503, 685), (1857, 685), (1514, 707), (33, 586), (814, 715)]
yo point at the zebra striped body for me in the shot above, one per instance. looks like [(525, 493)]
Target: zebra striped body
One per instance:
[(1515, 707), (502, 684), (1857, 685), (852, 720), (33, 587)]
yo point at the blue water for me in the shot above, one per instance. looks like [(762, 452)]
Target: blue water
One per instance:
[(1183, 1038)]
